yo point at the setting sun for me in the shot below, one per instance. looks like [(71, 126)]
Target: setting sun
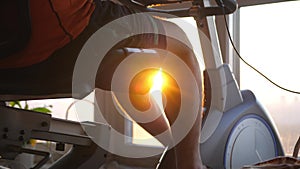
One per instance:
[(150, 81), (157, 82)]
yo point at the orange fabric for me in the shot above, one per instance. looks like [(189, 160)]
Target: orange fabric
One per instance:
[(47, 35)]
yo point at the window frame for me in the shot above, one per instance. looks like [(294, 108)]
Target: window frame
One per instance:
[(228, 53)]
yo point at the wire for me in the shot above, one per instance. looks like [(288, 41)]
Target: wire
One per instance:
[(252, 67), (73, 103)]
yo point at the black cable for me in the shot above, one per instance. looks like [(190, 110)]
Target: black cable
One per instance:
[(252, 67)]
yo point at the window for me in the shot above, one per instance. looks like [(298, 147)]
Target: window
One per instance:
[(269, 40)]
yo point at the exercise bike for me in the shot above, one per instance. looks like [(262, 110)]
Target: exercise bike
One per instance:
[(236, 129)]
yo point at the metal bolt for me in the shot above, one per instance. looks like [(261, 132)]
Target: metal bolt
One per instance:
[(44, 124), (4, 136), (22, 132), (5, 129)]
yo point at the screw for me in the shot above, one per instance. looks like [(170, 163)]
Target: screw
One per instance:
[(44, 124), (5, 129), (4, 136), (22, 132)]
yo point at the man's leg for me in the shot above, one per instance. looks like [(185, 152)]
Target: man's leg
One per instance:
[(187, 150)]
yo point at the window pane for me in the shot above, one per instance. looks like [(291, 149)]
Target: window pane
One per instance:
[(270, 38)]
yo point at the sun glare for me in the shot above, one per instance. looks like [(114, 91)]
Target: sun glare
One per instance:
[(158, 82), (157, 87)]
